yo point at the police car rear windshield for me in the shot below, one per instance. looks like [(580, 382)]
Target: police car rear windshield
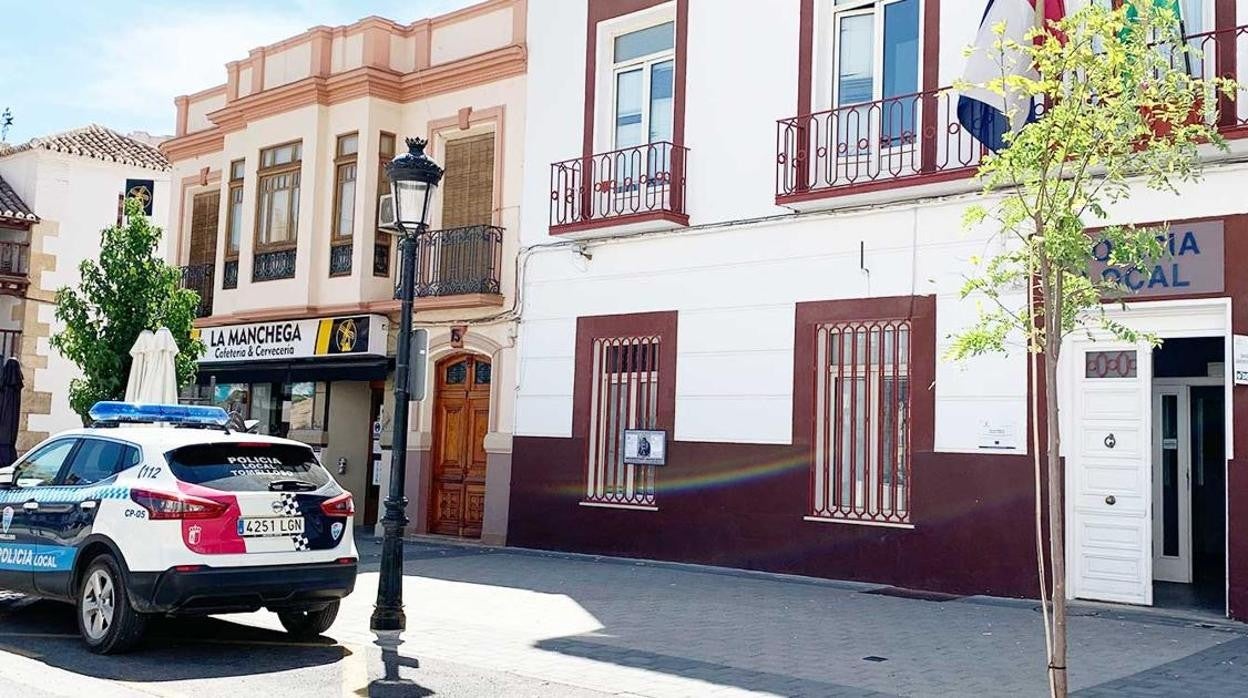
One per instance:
[(243, 467)]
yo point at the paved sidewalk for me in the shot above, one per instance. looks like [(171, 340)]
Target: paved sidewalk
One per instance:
[(589, 625)]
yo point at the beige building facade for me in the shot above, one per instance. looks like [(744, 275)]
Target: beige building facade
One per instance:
[(277, 175)]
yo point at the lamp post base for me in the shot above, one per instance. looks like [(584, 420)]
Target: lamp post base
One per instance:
[(384, 619)]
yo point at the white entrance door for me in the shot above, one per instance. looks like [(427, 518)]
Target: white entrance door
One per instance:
[(1172, 483), (1109, 500)]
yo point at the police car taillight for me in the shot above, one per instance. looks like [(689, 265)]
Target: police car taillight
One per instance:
[(160, 505), (342, 505)]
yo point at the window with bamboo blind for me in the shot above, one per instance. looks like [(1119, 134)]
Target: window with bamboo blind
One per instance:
[(204, 217), (468, 185)]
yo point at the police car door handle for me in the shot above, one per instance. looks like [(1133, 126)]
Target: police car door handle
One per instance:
[(31, 506), (89, 504)]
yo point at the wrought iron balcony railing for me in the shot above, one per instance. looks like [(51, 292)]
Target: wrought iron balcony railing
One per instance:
[(267, 266), (199, 278), (458, 261), (916, 138), (631, 184), (888, 141)]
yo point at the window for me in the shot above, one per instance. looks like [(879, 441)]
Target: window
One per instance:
[(344, 185), (277, 218), (42, 467), (862, 417), (625, 395), (98, 460), (306, 408), (237, 168), (381, 243), (874, 55), (644, 70), (643, 79), (468, 186)]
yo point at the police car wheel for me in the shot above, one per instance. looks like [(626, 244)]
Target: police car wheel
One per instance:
[(106, 621), (308, 624)]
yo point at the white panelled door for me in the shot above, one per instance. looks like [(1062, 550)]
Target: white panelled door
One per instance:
[(1110, 473)]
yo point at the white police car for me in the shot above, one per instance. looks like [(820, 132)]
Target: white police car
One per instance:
[(129, 521)]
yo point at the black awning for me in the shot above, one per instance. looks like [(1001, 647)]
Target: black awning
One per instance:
[(296, 371)]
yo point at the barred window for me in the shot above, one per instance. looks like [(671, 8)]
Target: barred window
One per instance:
[(625, 396), (862, 416)]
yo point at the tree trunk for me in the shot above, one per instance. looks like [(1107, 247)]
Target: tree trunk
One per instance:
[(1057, 516)]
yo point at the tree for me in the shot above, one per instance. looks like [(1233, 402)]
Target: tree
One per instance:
[(127, 291), (1121, 112)]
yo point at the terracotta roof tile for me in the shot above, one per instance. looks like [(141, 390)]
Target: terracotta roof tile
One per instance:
[(12, 207), (100, 143)]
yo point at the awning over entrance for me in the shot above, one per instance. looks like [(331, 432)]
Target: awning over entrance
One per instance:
[(296, 371)]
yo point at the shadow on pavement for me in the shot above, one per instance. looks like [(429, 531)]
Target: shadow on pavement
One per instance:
[(172, 649)]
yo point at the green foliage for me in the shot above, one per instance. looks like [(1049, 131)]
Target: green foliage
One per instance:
[(127, 291), (1121, 113)]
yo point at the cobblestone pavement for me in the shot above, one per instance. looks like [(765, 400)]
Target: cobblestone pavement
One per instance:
[(629, 627)]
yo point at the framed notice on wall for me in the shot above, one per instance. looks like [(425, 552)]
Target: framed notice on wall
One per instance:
[(1239, 351), (645, 447)]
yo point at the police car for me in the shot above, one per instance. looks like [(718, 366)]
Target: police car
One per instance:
[(128, 520)]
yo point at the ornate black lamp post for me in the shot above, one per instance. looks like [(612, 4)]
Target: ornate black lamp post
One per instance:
[(413, 180)]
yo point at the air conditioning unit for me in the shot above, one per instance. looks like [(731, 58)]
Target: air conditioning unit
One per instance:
[(385, 212)]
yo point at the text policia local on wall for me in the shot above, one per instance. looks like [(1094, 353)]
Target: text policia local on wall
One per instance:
[(295, 339), (1191, 262)]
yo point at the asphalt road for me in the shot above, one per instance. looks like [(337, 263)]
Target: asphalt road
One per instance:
[(234, 656)]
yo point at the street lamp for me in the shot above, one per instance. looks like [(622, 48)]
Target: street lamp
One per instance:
[(413, 180)]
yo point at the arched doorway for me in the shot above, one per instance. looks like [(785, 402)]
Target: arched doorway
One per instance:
[(461, 418)]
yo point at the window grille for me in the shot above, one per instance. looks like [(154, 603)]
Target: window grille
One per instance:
[(862, 460), (625, 395)]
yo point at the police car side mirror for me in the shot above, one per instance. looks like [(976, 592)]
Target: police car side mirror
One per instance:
[(7, 476)]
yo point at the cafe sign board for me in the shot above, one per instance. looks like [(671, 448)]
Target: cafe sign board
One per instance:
[(1192, 262), (355, 335)]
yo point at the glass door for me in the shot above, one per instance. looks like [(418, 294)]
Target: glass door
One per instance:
[(1172, 466)]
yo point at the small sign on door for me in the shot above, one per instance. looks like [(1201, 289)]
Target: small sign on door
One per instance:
[(1239, 351)]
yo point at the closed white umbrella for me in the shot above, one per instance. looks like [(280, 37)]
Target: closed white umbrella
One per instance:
[(138, 356), (160, 375)]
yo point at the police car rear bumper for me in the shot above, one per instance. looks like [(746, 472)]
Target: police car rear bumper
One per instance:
[(241, 589)]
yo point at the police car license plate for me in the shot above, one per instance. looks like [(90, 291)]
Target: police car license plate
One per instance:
[(270, 526)]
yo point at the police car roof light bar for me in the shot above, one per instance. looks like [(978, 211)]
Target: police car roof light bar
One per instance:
[(112, 413)]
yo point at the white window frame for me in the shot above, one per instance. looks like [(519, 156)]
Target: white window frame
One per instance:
[(607, 69), (826, 54)]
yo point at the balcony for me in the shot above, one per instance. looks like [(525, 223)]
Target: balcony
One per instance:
[(915, 140), (199, 278), (10, 344), (459, 267), (14, 268), (900, 141), (638, 188)]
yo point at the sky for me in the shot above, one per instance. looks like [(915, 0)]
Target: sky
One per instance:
[(69, 63)]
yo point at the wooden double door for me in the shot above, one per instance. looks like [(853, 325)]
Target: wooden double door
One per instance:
[(461, 419)]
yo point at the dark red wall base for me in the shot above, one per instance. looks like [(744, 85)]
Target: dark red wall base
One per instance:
[(741, 505)]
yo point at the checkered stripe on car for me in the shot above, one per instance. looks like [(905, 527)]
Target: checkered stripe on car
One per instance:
[(301, 543), (288, 505), (50, 495)]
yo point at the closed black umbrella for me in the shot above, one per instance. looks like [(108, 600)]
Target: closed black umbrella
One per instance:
[(10, 409)]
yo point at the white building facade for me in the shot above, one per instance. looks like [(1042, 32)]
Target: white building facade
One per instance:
[(776, 292), (70, 184)]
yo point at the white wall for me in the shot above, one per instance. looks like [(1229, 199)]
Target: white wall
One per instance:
[(79, 196), (736, 287)]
